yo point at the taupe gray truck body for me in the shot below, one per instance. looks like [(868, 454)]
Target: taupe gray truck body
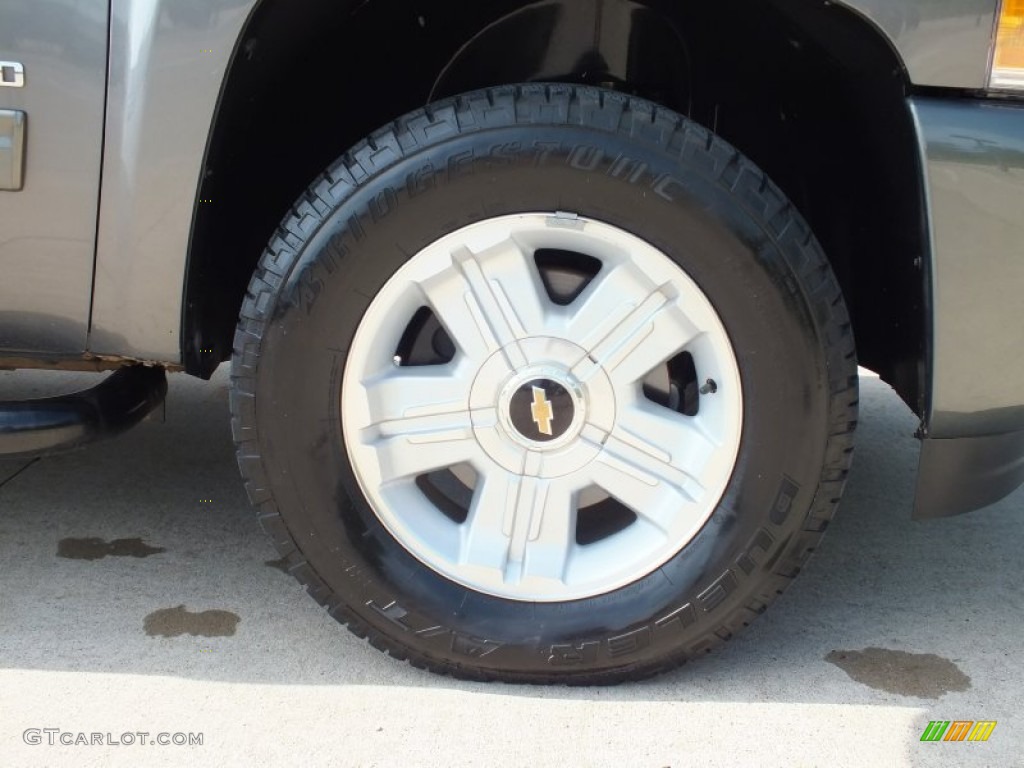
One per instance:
[(121, 101)]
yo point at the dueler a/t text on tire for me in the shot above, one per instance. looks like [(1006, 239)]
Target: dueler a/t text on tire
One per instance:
[(544, 384)]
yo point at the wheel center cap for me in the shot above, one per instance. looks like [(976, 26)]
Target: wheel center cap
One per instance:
[(541, 420), (541, 410)]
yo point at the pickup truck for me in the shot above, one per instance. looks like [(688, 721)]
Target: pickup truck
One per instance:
[(544, 318)]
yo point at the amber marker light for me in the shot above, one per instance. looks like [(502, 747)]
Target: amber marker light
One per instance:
[(1008, 59)]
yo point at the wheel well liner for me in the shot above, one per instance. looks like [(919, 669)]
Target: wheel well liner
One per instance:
[(812, 92)]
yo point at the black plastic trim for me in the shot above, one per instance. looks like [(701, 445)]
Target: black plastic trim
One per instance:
[(966, 473)]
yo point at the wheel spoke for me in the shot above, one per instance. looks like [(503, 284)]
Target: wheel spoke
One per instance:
[(552, 533), (608, 299), (489, 300), (523, 526), (642, 475), (420, 421), (684, 440), (407, 448), (629, 328), (517, 288), (403, 393)]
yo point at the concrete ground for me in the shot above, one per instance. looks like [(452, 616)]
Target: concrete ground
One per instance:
[(893, 624)]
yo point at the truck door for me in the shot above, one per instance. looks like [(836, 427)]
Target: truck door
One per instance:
[(53, 63)]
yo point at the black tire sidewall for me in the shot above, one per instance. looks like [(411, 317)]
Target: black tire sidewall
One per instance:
[(729, 251)]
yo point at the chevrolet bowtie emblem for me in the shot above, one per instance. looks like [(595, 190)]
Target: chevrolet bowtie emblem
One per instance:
[(543, 413)]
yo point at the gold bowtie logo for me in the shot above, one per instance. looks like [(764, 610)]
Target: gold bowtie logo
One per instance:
[(543, 413)]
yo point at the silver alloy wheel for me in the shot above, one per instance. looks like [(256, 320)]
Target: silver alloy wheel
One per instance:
[(541, 412)]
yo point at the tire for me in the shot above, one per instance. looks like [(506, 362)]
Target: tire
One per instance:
[(339, 378)]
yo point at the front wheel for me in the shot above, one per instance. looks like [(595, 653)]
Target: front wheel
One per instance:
[(544, 383)]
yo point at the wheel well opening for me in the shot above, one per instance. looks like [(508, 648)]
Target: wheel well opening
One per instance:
[(812, 93)]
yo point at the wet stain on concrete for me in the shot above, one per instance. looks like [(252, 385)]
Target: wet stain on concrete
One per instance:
[(97, 549), (173, 622), (924, 675), (281, 564)]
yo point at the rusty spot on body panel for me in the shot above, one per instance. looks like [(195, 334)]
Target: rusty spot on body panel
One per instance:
[(924, 675), (97, 549), (173, 622)]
